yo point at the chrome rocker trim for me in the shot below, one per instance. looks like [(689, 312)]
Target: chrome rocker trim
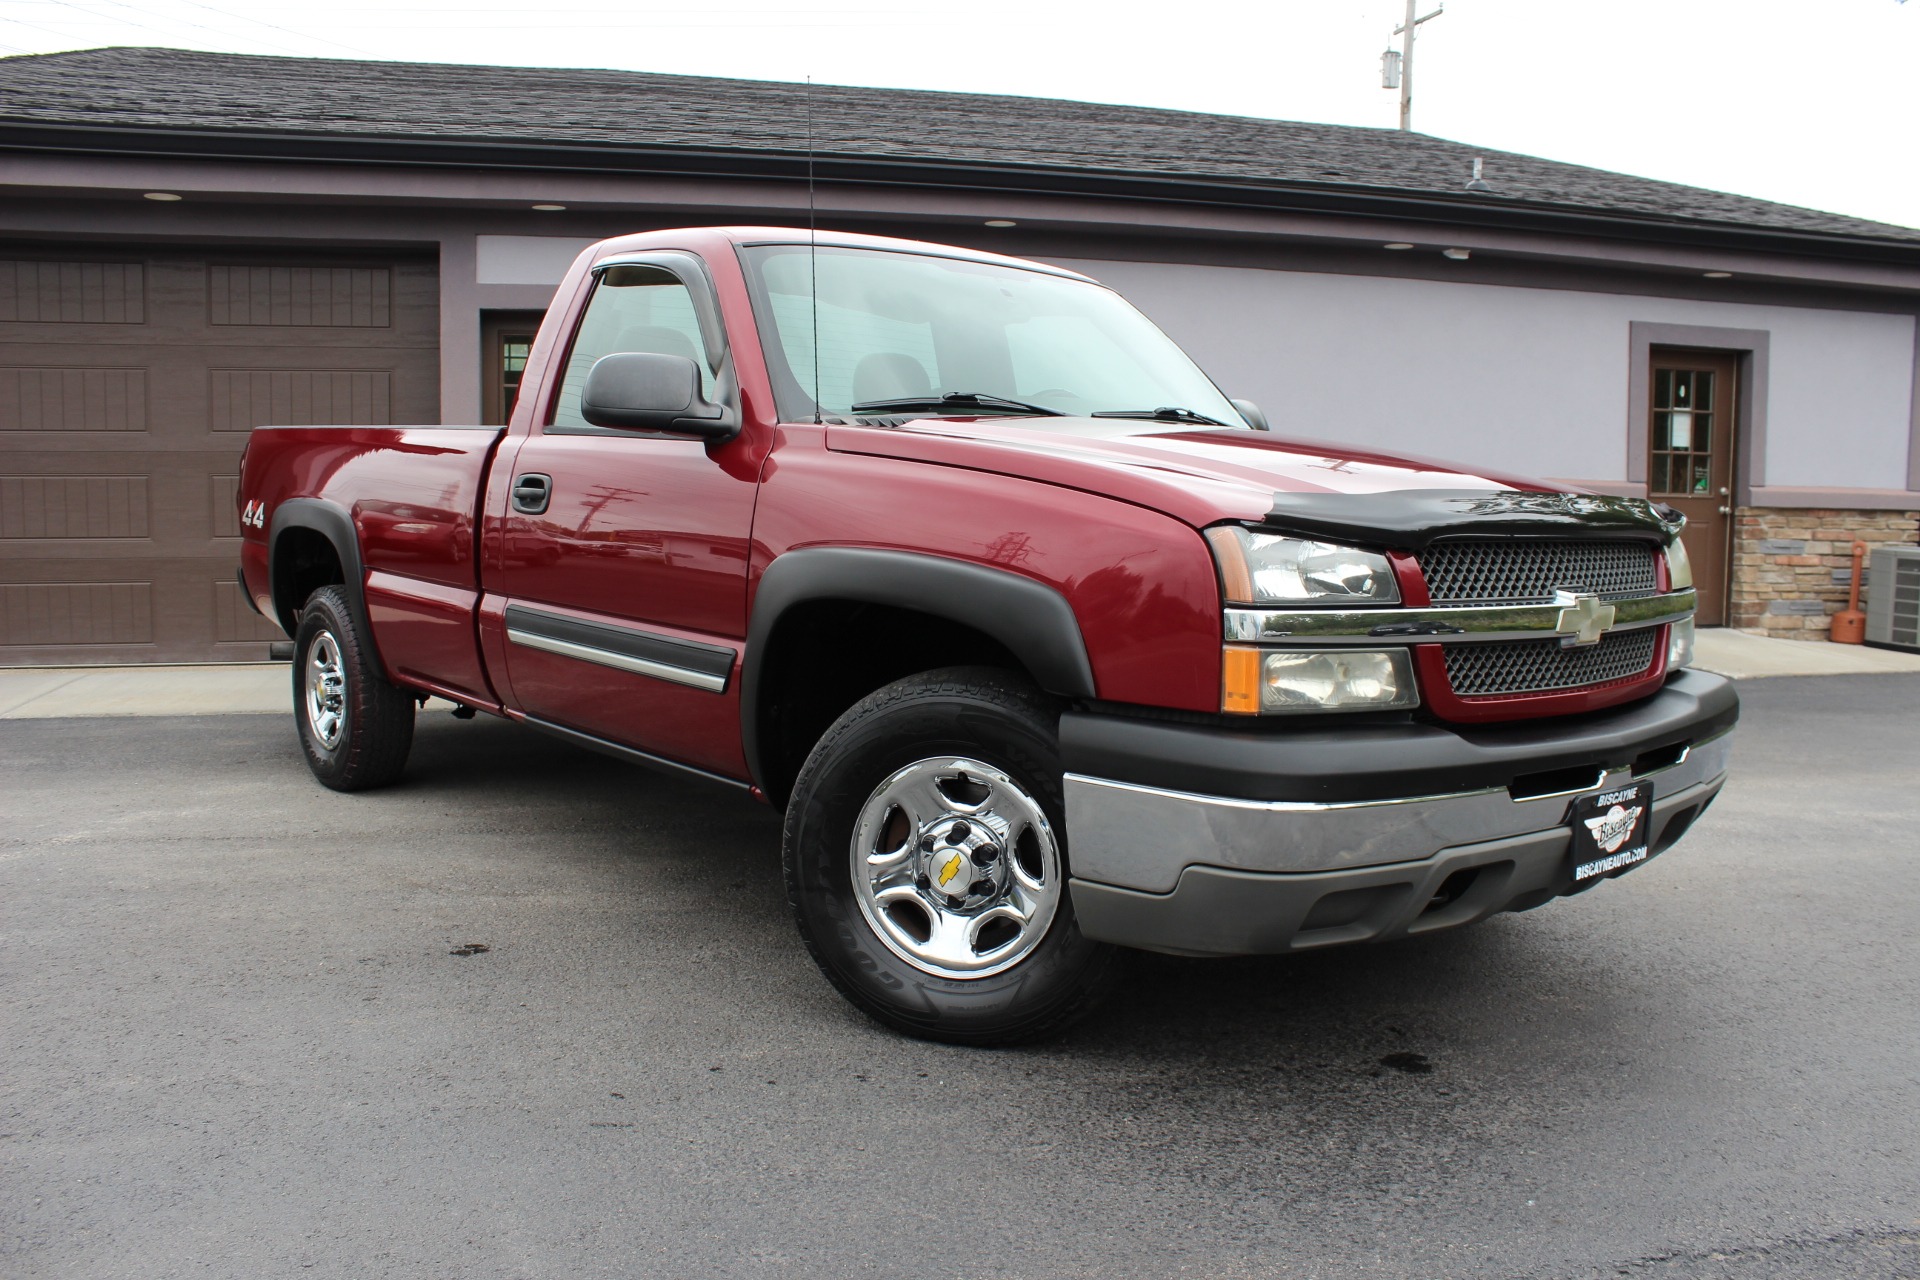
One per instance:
[(1469, 624), (619, 661)]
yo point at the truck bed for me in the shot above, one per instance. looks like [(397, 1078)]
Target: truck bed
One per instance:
[(412, 496)]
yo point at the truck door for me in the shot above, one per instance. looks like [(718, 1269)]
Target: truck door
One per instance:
[(622, 555)]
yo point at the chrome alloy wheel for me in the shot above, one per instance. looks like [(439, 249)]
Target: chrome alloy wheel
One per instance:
[(956, 867), (326, 691)]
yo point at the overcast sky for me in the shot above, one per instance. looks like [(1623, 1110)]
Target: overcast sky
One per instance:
[(1810, 102)]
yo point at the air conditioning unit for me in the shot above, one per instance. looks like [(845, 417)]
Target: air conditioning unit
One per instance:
[(1893, 603)]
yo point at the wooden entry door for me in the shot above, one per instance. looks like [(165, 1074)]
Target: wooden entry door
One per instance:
[(1690, 460), (506, 337)]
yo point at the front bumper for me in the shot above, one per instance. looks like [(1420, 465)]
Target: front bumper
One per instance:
[(1335, 836)]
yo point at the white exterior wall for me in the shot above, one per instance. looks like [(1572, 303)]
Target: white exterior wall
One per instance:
[(1533, 381)]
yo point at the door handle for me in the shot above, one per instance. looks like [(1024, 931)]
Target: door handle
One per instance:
[(532, 492), (1726, 511)]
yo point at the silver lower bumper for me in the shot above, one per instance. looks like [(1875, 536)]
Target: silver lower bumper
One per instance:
[(1210, 875), (1143, 838)]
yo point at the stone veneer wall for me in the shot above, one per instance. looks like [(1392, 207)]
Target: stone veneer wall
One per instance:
[(1791, 565)]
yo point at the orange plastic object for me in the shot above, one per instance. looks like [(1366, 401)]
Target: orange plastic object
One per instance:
[(1850, 624), (1240, 681)]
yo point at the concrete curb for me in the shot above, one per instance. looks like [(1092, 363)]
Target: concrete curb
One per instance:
[(1747, 656), (228, 689)]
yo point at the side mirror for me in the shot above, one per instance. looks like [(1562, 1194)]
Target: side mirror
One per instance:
[(1251, 412), (644, 391)]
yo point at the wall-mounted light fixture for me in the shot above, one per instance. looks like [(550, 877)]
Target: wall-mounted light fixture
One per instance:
[(164, 196), (1001, 222), (1458, 255), (550, 208)]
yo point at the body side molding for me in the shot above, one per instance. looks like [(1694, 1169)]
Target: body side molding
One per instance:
[(648, 653)]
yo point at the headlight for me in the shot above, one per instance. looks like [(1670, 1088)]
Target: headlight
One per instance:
[(1278, 681), (1679, 568), (1267, 569), (1680, 644)]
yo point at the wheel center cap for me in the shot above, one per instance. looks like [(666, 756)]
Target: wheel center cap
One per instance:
[(963, 860)]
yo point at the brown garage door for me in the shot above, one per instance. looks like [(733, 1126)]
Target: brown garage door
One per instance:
[(128, 382)]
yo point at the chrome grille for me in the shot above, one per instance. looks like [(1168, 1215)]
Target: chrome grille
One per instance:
[(1529, 570), (1535, 666)]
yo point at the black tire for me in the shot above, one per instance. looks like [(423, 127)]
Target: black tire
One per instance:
[(985, 715), (374, 727)]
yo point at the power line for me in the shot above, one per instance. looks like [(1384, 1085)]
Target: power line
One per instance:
[(222, 33), (276, 27), (141, 26), (21, 22)]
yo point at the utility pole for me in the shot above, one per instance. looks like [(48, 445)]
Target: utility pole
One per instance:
[(1406, 32)]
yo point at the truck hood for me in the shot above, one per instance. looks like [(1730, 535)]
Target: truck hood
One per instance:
[(1205, 475)]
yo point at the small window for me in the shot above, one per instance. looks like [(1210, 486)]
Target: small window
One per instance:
[(633, 308), (506, 339), (1682, 462)]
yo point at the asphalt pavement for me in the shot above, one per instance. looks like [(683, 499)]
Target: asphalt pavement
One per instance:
[(533, 1013)]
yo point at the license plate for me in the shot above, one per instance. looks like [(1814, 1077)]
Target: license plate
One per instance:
[(1610, 830)]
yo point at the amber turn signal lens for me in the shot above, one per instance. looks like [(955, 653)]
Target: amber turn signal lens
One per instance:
[(1240, 681), (1235, 577)]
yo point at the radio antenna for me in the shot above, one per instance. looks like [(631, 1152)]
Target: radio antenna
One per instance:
[(813, 257)]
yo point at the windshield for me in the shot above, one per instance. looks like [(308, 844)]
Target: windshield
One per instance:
[(910, 328)]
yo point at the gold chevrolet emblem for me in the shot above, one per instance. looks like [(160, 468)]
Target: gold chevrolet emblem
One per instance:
[(1583, 619), (948, 872)]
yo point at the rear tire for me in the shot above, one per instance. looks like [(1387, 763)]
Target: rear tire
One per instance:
[(355, 727), (925, 857)]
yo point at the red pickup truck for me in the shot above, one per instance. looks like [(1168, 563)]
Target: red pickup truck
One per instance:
[(1044, 646)]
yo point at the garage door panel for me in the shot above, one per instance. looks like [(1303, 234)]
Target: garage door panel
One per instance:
[(223, 508), (72, 399), (241, 399), (334, 297), (45, 615), (120, 441), (160, 504), (78, 291), (58, 611), (88, 507)]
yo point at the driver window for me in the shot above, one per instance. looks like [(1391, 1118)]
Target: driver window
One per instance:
[(633, 308)]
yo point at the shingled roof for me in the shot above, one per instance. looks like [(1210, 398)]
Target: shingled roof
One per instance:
[(311, 101)]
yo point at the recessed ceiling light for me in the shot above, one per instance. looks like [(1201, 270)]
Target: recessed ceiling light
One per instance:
[(550, 208), (1717, 275), (1458, 255), (1398, 244), (162, 195), (1001, 222)]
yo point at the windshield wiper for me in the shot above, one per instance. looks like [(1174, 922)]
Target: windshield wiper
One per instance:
[(1166, 413), (965, 399)]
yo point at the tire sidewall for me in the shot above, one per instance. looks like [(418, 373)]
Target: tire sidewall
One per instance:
[(867, 747), (323, 615)]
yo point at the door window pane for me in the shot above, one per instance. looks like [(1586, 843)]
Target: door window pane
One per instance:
[(633, 308), (1679, 431), (1681, 461)]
